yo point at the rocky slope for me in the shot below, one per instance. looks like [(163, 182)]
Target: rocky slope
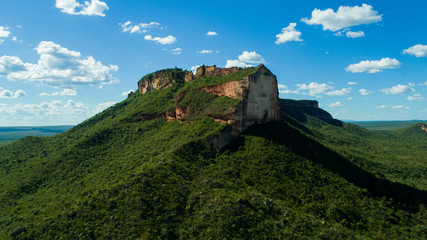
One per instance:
[(257, 96)]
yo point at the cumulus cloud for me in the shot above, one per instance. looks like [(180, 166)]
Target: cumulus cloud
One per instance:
[(94, 7), (342, 92), (64, 92), (194, 68), (44, 113), (177, 51), (398, 89), (5, 93), (382, 106), (58, 67), (314, 88), (205, 51), (127, 92), (344, 17), (164, 41), (285, 90), (251, 57), (373, 66), (417, 50), (4, 32), (289, 34), (336, 104), (237, 63), (415, 97), (364, 92), (211, 33), (358, 34), (352, 83), (139, 27), (102, 106), (397, 106)]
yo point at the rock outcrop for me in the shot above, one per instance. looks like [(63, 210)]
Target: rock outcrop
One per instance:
[(300, 109), (422, 126), (214, 71), (164, 79), (257, 91)]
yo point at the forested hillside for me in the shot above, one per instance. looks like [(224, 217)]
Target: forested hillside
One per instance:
[(120, 175)]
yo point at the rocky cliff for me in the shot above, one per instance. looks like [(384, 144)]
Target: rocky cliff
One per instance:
[(300, 109), (422, 126), (164, 79), (255, 97)]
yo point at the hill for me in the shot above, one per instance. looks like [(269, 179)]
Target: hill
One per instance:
[(131, 172), (10, 134), (386, 125)]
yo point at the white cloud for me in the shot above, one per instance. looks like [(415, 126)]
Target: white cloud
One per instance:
[(417, 50), (342, 92), (68, 92), (373, 66), (64, 92), (358, 34), (95, 7), (336, 104), (236, 63), (139, 27), (314, 88), (44, 113), (284, 89), (4, 93), (398, 89), (382, 106), (251, 57), (194, 68), (166, 40), (415, 97), (102, 106), (352, 83), (289, 34), (4, 32), (364, 92), (127, 93), (57, 67), (397, 107), (344, 17), (211, 33), (177, 51), (205, 51)]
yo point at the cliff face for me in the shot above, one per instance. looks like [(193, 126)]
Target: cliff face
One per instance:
[(257, 92), (299, 110), (214, 71), (422, 126), (163, 79)]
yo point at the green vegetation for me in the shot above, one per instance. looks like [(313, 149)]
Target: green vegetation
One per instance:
[(116, 176), (386, 125), (398, 155)]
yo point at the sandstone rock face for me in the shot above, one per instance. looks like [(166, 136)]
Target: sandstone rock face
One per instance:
[(258, 92), (163, 79), (301, 108), (214, 71), (422, 126), (260, 99)]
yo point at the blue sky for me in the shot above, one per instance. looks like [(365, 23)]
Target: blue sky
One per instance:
[(63, 61)]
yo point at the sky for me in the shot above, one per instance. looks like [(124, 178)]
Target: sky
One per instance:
[(62, 61)]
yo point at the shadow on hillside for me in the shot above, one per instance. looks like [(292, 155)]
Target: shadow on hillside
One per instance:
[(304, 146)]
